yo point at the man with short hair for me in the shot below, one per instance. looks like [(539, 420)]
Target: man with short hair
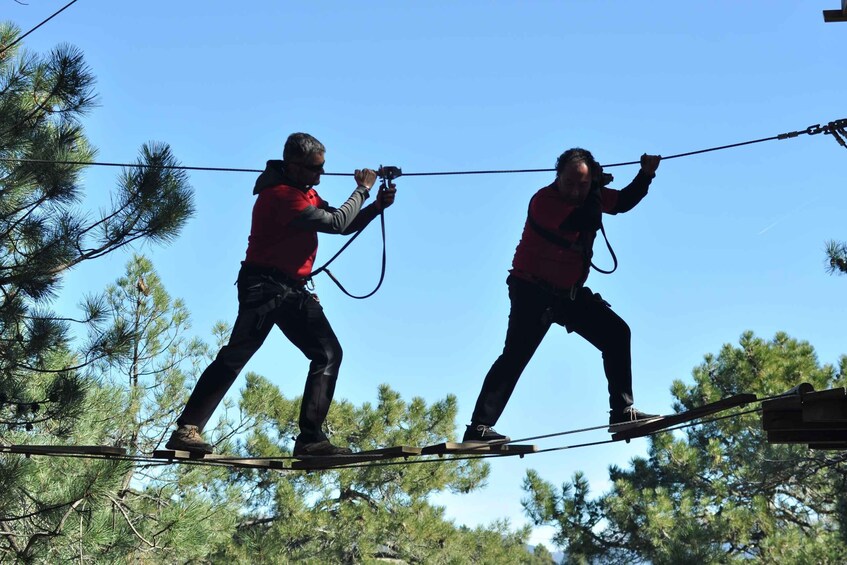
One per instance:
[(281, 250), (546, 281)]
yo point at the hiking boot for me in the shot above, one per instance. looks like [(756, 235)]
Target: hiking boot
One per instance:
[(628, 418), (319, 448), (478, 433), (188, 438)]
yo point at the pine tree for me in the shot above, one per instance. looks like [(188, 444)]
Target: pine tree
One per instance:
[(178, 514), (719, 492), (361, 514), (43, 234), (121, 510)]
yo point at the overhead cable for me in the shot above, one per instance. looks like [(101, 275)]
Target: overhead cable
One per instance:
[(21, 38), (836, 128)]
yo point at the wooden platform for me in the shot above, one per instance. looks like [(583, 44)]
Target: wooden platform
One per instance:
[(810, 437), (101, 450), (451, 448), (323, 462), (228, 460), (306, 463), (830, 16), (670, 420), (816, 418)]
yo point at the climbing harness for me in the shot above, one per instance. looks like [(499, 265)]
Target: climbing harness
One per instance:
[(577, 245)]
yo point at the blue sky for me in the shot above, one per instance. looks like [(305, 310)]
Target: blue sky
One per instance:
[(725, 242)]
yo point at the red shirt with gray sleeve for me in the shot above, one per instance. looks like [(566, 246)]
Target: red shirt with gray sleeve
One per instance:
[(287, 219)]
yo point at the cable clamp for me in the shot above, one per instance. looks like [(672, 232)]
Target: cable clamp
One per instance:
[(389, 172)]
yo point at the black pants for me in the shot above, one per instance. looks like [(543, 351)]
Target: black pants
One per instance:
[(301, 318), (533, 310)]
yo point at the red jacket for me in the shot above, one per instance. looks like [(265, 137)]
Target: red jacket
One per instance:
[(273, 242), (539, 259), (287, 219)]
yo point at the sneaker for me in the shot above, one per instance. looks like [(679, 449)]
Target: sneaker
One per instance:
[(628, 418), (319, 448), (478, 433), (188, 438)]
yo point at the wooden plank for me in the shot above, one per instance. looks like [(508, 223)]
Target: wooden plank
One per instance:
[(514, 449), (317, 462), (840, 446), (104, 450), (798, 424), (821, 407), (455, 447), (719, 405), (178, 454), (305, 463), (449, 448), (839, 393), (830, 16), (783, 403), (452, 448), (397, 451), (807, 436), (782, 419), (663, 422), (789, 400), (826, 410), (228, 460)]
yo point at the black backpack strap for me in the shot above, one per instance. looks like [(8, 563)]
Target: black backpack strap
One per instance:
[(577, 245)]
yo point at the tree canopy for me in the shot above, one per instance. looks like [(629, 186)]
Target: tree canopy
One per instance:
[(717, 492), (44, 232)]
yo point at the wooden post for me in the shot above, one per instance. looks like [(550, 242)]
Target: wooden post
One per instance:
[(818, 419), (836, 15)]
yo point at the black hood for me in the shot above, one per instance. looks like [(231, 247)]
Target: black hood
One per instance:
[(274, 175)]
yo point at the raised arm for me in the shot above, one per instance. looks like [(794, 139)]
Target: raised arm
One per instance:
[(635, 191), (326, 219)]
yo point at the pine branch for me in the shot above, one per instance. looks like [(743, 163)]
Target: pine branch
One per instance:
[(26, 552), (33, 514), (129, 523), (836, 252), (350, 494), (64, 369), (29, 208), (10, 539), (69, 94), (257, 522)]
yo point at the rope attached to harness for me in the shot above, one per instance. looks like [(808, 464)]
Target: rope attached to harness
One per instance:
[(324, 269), (387, 174)]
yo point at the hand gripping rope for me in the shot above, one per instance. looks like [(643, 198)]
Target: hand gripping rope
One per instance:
[(387, 173)]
